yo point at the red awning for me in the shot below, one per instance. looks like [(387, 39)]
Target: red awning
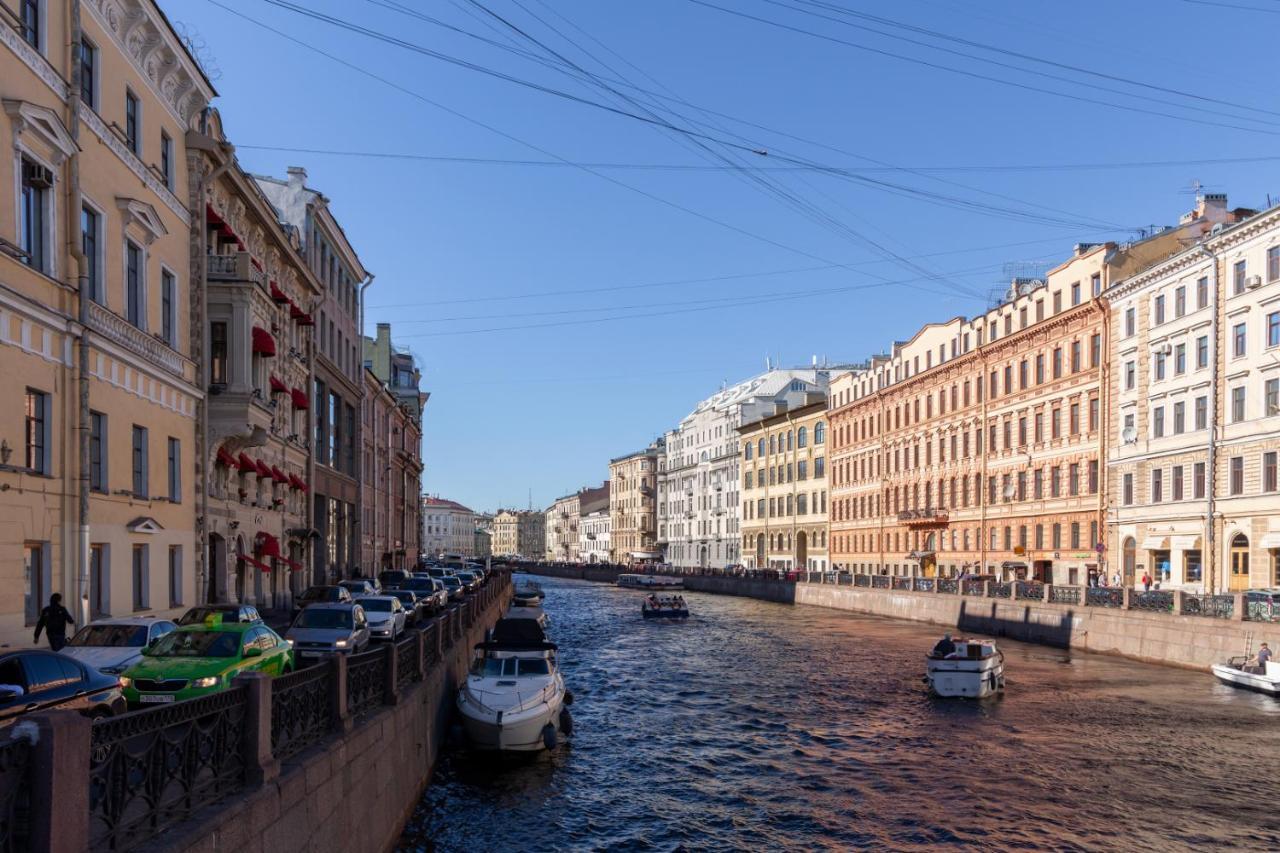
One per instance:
[(267, 545), (294, 311), (278, 475), (305, 320), (225, 459), (302, 484), (277, 295), (278, 387), (293, 565), (264, 470), (300, 400), (263, 343), (257, 263), (246, 465), (251, 561), (295, 482)]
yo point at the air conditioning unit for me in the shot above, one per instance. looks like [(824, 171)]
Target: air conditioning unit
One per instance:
[(1253, 282), (37, 175)]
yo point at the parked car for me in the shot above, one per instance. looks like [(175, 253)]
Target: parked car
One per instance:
[(320, 595), (361, 586), (439, 573), (428, 587), (197, 660), (392, 578), (385, 614), (36, 680), (453, 585), (243, 614), (113, 645), (470, 580), (415, 606), (328, 629)]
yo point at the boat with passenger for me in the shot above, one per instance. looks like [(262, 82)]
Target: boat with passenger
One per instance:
[(967, 668), (664, 607), (649, 581), (1249, 673), (514, 698)]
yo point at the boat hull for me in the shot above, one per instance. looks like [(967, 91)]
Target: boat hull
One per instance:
[(665, 614), (520, 732), (1245, 680), (965, 678)]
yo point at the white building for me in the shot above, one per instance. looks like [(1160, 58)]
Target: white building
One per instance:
[(699, 509), (593, 537), (448, 528)]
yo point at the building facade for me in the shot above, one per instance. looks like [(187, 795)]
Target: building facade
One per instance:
[(254, 293), (336, 372), (450, 528), (391, 479), (593, 524), (699, 522), (1195, 418), (561, 529), (484, 535), (518, 532), (633, 506), (784, 488), (96, 501)]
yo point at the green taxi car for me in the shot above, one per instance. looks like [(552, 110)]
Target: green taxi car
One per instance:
[(196, 660)]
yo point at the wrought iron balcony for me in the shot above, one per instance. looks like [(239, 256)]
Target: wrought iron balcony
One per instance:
[(923, 517), (115, 328)]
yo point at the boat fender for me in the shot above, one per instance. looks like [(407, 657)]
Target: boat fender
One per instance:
[(549, 736), (568, 697), (566, 721), (991, 679)]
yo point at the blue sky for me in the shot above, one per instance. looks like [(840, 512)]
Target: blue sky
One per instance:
[(696, 275)]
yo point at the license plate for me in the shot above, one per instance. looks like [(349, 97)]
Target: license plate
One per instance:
[(155, 698)]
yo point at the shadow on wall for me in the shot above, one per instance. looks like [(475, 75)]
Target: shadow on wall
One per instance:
[(984, 620)]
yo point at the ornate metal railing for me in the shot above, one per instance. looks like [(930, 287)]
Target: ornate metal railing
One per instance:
[(366, 681), (1031, 590), (1104, 596), (408, 670), (972, 587), (302, 711), (1212, 606), (431, 652), (862, 580), (15, 795), (1000, 589), (880, 581), (1064, 594), (901, 583), (924, 585), (1258, 608), (951, 585), (1157, 600), (151, 769)]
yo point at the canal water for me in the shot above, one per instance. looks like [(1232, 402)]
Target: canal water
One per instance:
[(756, 726)]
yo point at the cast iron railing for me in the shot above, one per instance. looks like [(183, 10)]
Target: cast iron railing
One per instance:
[(366, 681), (901, 582), (924, 585), (1160, 601), (1212, 606), (950, 585), (862, 580), (972, 587), (302, 712), (1104, 596), (1064, 594), (1258, 608), (1030, 590), (999, 589), (407, 665)]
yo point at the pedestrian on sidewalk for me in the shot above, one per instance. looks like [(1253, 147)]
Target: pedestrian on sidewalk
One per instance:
[(1146, 582), (54, 620)]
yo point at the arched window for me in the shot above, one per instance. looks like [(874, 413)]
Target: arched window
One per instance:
[(802, 437), (819, 432), (773, 444), (760, 448), (747, 450), (788, 439)]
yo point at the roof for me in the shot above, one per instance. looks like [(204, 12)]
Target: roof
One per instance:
[(442, 503)]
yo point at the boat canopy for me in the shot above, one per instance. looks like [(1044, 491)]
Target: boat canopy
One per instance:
[(517, 635)]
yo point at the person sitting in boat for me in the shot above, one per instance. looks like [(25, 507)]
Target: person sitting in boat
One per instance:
[(1259, 662), (944, 647)]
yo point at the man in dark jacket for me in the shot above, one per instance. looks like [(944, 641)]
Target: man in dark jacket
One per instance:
[(54, 620)]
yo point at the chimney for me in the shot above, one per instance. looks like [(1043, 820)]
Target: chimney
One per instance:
[(297, 176), (1210, 208)]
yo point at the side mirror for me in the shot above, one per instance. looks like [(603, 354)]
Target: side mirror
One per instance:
[(254, 652)]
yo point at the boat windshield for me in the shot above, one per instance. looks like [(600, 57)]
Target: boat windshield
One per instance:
[(510, 667)]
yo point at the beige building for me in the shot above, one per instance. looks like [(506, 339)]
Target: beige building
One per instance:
[(1195, 413), (96, 499), (448, 528), (784, 488), (391, 479), (518, 532), (633, 507), (561, 529)]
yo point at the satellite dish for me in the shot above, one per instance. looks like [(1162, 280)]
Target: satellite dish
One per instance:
[(1129, 435)]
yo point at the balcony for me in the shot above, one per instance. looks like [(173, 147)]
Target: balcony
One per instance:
[(927, 517), (234, 267), (115, 328)]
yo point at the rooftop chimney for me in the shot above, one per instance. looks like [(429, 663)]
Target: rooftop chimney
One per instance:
[(1210, 207), (297, 176)]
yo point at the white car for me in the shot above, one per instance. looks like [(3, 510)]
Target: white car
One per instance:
[(113, 645), (386, 616)]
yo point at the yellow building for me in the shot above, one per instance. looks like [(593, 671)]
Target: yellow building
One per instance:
[(94, 295), (784, 489), (633, 510)]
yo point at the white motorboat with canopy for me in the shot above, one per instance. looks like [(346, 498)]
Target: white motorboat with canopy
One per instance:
[(965, 668), (514, 699)]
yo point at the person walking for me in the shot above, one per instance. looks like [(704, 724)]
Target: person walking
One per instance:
[(1146, 582), (54, 620)]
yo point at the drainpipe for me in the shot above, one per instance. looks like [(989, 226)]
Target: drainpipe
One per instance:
[(76, 247), (360, 424), (1210, 553), (1104, 406)]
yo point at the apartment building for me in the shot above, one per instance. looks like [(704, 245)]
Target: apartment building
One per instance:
[(593, 524), (450, 527), (391, 527), (561, 529), (633, 506), (784, 488), (95, 501), (518, 532), (1195, 420)]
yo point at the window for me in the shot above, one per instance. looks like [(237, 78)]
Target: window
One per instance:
[(166, 159), (1159, 310), (1127, 490), (35, 578), (1157, 485), (139, 461), (1235, 483), (90, 232), (141, 577), (1073, 479), (819, 433), (1197, 480), (1238, 275), (168, 309), (88, 74), (218, 353), (97, 451), (1273, 263), (1039, 427), (1075, 293), (1238, 342), (29, 22), (1271, 397), (1095, 350), (1179, 301), (819, 467), (175, 470), (34, 215), (175, 575), (1130, 322), (133, 282), (1202, 293), (1202, 413), (1269, 471), (36, 437), (1157, 422), (1179, 359), (802, 437), (1177, 482), (1057, 362), (1179, 418), (1273, 329), (1130, 375), (1093, 476), (1073, 419), (99, 581), (1075, 357), (132, 108), (1159, 365), (1202, 352), (1095, 283), (1237, 404), (1057, 302)]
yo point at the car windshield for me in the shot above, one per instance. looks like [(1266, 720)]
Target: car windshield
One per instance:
[(322, 593), (377, 605), (197, 644), (452, 581), (417, 583), (110, 635), (312, 618), (404, 595), (197, 615)]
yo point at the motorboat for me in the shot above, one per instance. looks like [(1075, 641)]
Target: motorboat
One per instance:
[(649, 581), (533, 612), (514, 698), (528, 594), (1245, 673), (973, 669), (665, 607)]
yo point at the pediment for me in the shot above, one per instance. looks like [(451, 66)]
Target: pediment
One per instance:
[(144, 214), (144, 524), (42, 123)]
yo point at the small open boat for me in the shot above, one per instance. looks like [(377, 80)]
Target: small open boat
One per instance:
[(665, 607), (972, 669), (1244, 672), (528, 594)]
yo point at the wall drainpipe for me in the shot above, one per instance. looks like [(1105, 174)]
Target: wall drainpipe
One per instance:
[(1210, 552), (360, 439), (76, 250)]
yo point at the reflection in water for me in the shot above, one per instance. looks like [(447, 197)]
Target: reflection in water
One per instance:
[(758, 726)]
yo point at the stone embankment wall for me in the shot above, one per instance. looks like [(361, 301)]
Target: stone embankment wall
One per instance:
[(354, 792), (1190, 641), (782, 592)]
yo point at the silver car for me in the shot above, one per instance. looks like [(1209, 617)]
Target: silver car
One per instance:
[(113, 645), (385, 614), (323, 630)]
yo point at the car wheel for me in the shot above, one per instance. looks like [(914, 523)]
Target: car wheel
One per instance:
[(102, 712)]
